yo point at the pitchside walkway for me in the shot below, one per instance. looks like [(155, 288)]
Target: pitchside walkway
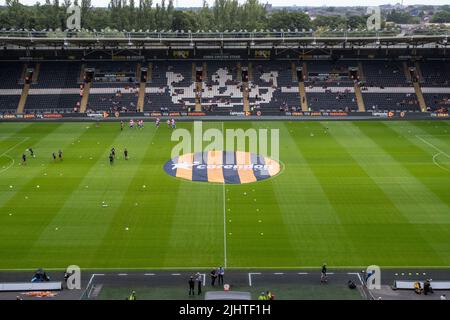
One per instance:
[(298, 284)]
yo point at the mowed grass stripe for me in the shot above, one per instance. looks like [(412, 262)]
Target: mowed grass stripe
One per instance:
[(196, 233), (354, 203), (427, 171), (430, 138), (32, 208), (412, 206), (256, 234), (132, 233), (419, 203), (369, 217), (432, 177), (12, 144), (146, 211), (82, 221), (311, 222)]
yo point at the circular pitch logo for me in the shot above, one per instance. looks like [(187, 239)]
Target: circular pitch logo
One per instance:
[(230, 167)]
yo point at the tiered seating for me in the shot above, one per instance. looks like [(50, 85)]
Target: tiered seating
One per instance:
[(384, 74), (179, 74), (437, 101), (282, 102), (435, 73), (127, 70), (58, 75), (10, 73), (159, 78), (162, 101), (51, 102), (280, 70), (329, 73), (391, 101), (342, 101), (9, 103), (114, 100), (171, 87)]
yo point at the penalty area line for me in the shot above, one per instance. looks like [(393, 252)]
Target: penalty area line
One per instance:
[(435, 155)]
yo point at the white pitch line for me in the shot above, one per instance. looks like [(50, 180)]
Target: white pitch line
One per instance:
[(204, 278), (14, 146), (10, 165), (431, 145), (89, 283), (10, 149), (437, 154), (357, 274), (224, 222), (250, 277)]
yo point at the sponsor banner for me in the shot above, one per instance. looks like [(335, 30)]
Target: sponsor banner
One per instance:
[(95, 115), (439, 115), (29, 116), (52, 115), (240, 113), (264, 54), (181, 54), (389, 114), (9, 116), (174, 114), (318, 114), (222, 57), (196, 114)]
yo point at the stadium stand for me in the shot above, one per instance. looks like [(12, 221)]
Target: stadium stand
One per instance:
[(51, 102), (437, 101), (272, 86), (435, 73), (113, 99), (329, 73), (384, 74), (10, 74), (391, 101), (341, 100), (56, 74), (8, 103)]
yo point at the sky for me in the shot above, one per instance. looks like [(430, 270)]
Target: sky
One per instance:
[(198, 3)]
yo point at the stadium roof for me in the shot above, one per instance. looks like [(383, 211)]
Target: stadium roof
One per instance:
[(263, 39)]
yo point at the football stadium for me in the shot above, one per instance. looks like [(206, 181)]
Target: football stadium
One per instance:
[(279, 163)]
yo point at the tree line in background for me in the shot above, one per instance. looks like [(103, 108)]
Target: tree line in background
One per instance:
[(145, 15)]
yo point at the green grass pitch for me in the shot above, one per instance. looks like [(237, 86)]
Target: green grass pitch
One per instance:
[(356, 194)]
